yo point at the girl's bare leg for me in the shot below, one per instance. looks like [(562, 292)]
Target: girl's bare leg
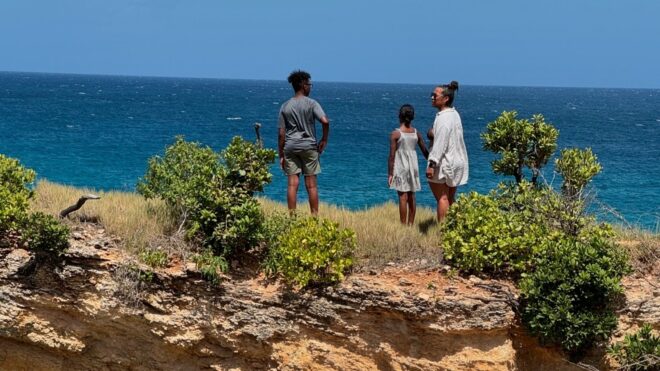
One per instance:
[(403, 206), (412, 208)]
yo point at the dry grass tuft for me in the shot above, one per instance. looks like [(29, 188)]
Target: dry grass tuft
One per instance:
[(643, 248), (140, 223), (131, 283), (381, 237)]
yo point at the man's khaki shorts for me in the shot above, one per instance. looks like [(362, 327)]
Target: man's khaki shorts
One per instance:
[(306, 161)]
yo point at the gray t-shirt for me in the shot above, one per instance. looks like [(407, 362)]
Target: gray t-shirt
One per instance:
[(298, 118)]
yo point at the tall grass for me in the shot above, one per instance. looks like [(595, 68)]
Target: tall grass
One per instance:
[(140, 223), (381, 237), (642, 246), (146, 224)]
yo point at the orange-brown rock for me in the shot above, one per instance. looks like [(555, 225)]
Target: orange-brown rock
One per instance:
[(89, 312)]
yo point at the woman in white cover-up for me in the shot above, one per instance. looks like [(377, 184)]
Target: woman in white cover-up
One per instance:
[(448, 165), (403, 166)]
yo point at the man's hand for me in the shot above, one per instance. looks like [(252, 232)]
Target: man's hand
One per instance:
[(282, 162), (429, 172), (389, 180), (322, 145)]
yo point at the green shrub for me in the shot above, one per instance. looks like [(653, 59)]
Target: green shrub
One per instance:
[(45, 234), (212, 193), (639, 351), (14, 193), (247, 165), (312, 251), (210, 265), (479, 236), (520, 143), (577, 167), (242, 226), (154, 258), (567, 299), (542, 205), (570, 269), (40, 232)]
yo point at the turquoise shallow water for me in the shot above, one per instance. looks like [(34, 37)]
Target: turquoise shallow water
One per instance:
[(99, 131)]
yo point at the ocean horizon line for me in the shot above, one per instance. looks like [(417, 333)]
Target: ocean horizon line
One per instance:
[(324, 81)]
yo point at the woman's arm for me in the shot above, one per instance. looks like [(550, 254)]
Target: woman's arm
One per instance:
[(440, 141)]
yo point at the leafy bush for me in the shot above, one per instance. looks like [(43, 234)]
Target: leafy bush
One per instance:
[(520, 143), (570, 269), (542, 205), (312, 251), (210, 265), (211, 192), (154, 258), (40, 232), (481, 236), (567, 297), (639, 351), (246, 165), (14, 193), (45, 234), (577, 167)]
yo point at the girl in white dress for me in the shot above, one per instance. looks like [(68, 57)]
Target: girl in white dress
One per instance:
[(403, 166), (448, 161)]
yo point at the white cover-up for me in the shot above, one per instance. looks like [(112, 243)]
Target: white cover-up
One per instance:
[(448, 150)]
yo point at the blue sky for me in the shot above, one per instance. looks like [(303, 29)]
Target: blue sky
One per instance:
[(585, 43)]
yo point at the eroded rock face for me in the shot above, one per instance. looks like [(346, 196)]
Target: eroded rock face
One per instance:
[(89, 312)]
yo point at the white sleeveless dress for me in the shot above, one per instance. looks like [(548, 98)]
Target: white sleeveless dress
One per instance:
[(405, 177)]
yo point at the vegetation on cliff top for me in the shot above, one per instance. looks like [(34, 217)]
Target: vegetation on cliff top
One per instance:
[(200, 206)]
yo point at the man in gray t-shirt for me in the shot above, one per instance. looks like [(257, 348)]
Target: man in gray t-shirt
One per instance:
[(299, 152)]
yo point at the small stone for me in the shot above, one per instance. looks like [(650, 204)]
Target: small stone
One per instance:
[(423, 296), (423, 262), (191, 267), (76, 236), (445, 268), (391, 264), (373, 272), (474, 279), (404, 282)]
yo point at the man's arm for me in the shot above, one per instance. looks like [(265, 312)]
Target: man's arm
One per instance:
[(325, 124), (280, 146)]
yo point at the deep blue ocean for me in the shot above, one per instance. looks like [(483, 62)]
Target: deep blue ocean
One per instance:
[(99, 131)]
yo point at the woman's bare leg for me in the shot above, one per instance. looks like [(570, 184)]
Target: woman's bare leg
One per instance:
[(452, 195), (444, 196)]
